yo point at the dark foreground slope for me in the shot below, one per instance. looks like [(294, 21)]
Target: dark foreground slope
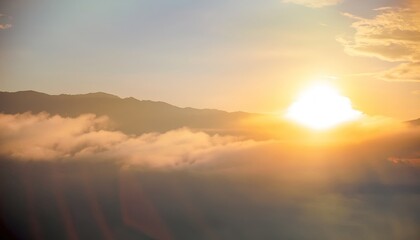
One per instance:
[(130, 115)]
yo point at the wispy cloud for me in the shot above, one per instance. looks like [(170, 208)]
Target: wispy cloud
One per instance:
[(393, 35), (314, 3)]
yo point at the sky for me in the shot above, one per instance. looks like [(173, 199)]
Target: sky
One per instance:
[(232, 55)]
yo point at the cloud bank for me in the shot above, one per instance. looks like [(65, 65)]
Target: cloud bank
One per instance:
[(314, 3), (77, 178), (394, 36), (42, 137), (45, 137)]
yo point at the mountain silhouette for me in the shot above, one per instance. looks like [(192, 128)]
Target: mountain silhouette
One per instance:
[(128, 115), (133, 116)]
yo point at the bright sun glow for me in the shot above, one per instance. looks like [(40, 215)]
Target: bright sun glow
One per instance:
[(321, 107)]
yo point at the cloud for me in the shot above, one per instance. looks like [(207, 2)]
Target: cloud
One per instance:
[(4, 26), (393, 35), (314, 3), (44, 137), (402, 72), (212, 187)]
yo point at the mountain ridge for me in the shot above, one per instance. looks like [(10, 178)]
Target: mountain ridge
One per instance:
[(133, 116), (130, 115), (101, 94)]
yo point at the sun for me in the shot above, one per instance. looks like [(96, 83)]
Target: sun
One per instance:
[(322, 107)]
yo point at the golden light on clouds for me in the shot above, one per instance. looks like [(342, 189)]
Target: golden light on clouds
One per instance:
[(393, 36), (321, 107)]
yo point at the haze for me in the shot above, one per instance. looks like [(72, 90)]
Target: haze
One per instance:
[(278, 119)]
